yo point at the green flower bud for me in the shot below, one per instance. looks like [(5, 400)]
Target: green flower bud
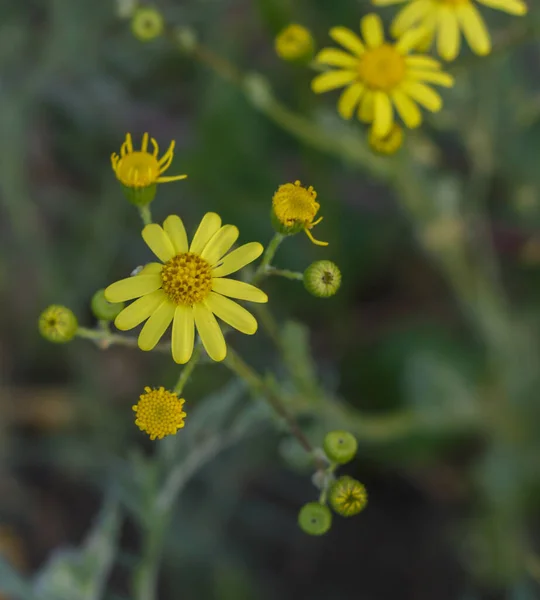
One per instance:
[(58, 324), (347, 496), (314, 518), (140, 196), (104, 310), (340, 446), (322, 278), (147, 24)]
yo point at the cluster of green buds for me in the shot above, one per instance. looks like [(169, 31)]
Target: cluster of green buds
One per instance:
[(344, 495)]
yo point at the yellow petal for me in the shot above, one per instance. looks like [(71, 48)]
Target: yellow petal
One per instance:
[(151, 268), (423, 94), (238, 289), (336, 58), (386, 2), (372, 30), (348, 101), (448, 37), (411, 39), (158, 241), (132, 287), (474, 29), (210, 332), (170, 178), (237, 259), (232, 313), (348, 39), (366, 110), (332, 80), (156, 325), (383, 117), (513, 7), (425, 63), (407, 109), (437, 77), (210, 223), (139, 311), (220, 243), (174, 228), (430, 26), (409, 16), (183, 334)]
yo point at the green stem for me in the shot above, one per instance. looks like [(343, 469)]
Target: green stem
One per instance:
[(146, 574), (237, 365), (267, 258), (188, 370), (146, 214), (285, 273), (104, 339)]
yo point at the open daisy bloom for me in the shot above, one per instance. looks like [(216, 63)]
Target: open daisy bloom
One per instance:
[(139, 171), (189, 287), (445, 18), (380, 75)]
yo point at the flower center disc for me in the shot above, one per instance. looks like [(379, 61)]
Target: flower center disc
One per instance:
[(138, 169), (293, 204), (187, 278), (382, 68)]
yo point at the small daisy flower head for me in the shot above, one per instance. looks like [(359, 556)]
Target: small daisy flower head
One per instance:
[(188, 287), (139, 171), (444, 20), (314, 518), (322, 278), (294, 209), (380, 77), (389, 144), (295, 44), (58, 324), (159, 413), (147, 23), (340, 446), (347, 496)]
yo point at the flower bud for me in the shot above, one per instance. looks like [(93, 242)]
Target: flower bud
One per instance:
[(314, 518), (322, 278), (58, 324), (104, 310), (295, 44), (147, 24), (340, 446), (347, 496)]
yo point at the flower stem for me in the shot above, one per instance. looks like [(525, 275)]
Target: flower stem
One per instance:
[(146, 214), (104, 339), (285, 273), (267, 258), (238, 366), (188, 370)]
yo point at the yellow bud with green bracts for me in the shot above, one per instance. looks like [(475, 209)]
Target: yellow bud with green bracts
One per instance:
[(104, 310), (58, 324), (295, 44), (322, 278), (340, 446), (315, 518), (347, 496)]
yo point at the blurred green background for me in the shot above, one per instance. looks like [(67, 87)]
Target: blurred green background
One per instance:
[(429, 353)]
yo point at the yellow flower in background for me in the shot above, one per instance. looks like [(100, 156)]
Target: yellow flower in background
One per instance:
[(390, 143), (379, 76), (295, 43), (294, 208), (445, 19), (159, 413), (189, 288), (147, 23)]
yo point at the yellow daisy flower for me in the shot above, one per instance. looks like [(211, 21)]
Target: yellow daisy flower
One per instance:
[(159, 412), (189, 288), (380, 75), (445, 18)]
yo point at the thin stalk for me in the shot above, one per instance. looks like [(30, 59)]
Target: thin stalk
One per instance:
[(188, 370)]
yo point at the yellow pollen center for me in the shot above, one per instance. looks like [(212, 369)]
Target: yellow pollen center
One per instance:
[(187, 278), (138, 169), (159, 413), (293, 204), (382, 68)]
